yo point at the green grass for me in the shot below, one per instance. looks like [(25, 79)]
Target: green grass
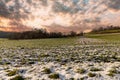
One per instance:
[(109, 37), (37, 43)]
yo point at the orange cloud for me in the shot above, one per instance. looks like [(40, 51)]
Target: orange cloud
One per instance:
[(68, 14)]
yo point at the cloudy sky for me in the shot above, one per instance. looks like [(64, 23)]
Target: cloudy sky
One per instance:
[(58, 15)]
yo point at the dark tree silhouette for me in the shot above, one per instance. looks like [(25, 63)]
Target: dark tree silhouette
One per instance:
[(40, 34)]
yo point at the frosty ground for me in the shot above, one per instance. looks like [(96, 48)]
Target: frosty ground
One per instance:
[(88, 58)]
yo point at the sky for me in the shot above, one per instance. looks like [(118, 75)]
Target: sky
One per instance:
[(58, 15)]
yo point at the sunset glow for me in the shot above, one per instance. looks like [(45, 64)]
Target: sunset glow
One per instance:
[(58, 15)]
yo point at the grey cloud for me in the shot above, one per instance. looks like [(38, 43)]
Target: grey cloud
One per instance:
[(95, 20), (4, 12), (17, 26), (102, 11), (22, 9), (12, 11), (75, 1), (29, 1), (61, 7), (58, 28), (113, 4), (44, 2)]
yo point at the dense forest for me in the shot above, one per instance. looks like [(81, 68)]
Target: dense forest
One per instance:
[(108, 29), (42, 33), (4, 34)]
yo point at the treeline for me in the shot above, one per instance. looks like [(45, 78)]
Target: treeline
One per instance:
[(108, 29), (42, 33), (4, 34)]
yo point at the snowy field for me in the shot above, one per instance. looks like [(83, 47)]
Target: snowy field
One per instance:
[(86, 59)]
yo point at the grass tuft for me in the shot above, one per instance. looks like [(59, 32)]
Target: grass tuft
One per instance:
[(81, 71), (12, 73), (54, 76), (91, 74), (47, 71)]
